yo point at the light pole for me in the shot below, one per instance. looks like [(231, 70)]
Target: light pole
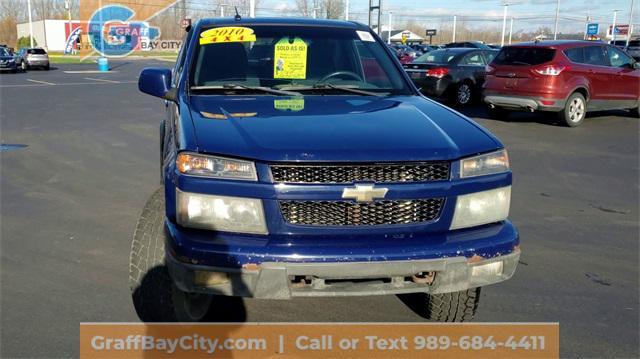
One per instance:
[(346, 10), (30, 24), (504, 23), (389, 29), (555, 31), (455, 20), (613, 27), (510, 30), (252, 8), (626, 45)]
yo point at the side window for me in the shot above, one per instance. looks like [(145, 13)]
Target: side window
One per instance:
[(371, 69), (177, 70), (473, 59), (594, 55), (490, 55), (618, 58), (575, 55)]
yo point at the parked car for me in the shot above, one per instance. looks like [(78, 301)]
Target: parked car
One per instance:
[(7, 61), (32, 57), (326, 175), (454, 74), (566, 77), (471, 44), (424, 48), (633, 49)]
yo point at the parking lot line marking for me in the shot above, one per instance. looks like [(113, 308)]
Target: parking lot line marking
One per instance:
[(89, 72), (111, 81), (41, 82)]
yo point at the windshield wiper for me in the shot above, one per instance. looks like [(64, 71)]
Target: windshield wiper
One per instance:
[(325, 86), (232, 86)]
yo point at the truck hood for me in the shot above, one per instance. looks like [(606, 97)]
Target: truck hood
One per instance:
[(334, 129)]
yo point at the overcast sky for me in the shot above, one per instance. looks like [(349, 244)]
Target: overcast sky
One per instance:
[(527, 13)]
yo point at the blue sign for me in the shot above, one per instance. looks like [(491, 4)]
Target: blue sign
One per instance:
[(592, 29)]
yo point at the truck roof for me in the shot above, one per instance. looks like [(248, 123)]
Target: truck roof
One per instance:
[(282, 21)]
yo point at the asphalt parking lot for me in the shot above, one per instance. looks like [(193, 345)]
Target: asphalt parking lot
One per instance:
[(85, 160)]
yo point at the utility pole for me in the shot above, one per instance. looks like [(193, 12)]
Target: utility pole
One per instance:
[(67, 6), (613, 27), (252, 8), (389, 29), (510, 30), (346, 10), (315, 6), (455, 20), (555, 31), (30, 24), (373, 7), (222, 9), (586, 25), (504, 23), (630, 31)]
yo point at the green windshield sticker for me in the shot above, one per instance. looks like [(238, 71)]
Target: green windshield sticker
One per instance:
[(290, 59), (290, 104)]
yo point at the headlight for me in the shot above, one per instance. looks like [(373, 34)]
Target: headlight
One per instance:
[(212, 166), (220, 213), (489, 163), (11, 60), (479, 208)]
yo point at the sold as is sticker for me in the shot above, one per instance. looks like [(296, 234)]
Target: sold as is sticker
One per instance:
[(227, 34)]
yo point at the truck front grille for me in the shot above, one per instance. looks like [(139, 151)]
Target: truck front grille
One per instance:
[(345, 213), (376, 172)]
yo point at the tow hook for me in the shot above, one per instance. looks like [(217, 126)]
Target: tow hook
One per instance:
[(424, 277)]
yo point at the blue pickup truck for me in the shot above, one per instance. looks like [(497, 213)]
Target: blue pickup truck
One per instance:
[(299, 160)]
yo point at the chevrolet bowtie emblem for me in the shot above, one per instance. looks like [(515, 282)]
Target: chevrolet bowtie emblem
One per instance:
[(364, 193)]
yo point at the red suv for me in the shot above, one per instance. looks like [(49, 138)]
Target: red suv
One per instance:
[(567, 77)]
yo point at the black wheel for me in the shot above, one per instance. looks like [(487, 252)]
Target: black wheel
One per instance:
[(47, 67), (155, 297), (498, 113), (574, 111), (446, 307), (463, 94)]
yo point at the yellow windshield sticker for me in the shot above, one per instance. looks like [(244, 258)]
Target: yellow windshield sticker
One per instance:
[(291, 104), (290, 59), (227, 34)]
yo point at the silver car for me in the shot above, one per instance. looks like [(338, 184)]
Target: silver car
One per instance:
[(32, 57)]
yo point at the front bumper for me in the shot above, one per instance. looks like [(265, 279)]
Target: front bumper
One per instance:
[(531, 103), (8, 67), (282, 280)]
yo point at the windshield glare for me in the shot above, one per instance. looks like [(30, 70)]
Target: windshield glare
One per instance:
[(436, 56), (293, 56)]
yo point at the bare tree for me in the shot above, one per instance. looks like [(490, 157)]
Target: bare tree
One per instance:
[(334, 9)]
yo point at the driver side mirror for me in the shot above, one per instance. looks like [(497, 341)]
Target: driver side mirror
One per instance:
[(156, 81)]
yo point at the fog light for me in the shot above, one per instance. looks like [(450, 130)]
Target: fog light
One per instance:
[(209, 279), (487, 270)]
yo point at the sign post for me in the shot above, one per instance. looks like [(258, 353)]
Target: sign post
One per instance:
[(431, 33)]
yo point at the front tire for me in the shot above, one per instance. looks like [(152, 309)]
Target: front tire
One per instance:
[(447, 307), (574, 111), (155, 296)]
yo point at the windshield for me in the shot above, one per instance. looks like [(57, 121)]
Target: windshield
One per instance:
[(436, 57), (281, 57), (4, 52)]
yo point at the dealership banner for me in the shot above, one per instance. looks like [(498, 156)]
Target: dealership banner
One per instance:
[(320, 340)]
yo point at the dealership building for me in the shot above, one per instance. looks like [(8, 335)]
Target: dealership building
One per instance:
[(51, 35)]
